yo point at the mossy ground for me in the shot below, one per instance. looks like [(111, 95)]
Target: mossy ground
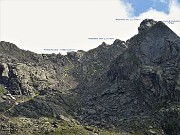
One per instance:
[(2, 89), (50, 126)]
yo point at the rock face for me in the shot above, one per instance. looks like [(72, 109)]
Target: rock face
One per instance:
[(146, 24), (132, 86), (151, 63)]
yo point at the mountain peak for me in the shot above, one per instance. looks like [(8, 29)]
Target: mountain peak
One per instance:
[(146, 24)]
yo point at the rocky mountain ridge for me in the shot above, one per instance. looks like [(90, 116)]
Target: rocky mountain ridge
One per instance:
[(128, 87)]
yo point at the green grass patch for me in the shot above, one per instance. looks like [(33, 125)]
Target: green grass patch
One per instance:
[(2, 89)]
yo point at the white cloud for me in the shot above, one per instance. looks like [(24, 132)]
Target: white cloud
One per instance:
[(163, 1)]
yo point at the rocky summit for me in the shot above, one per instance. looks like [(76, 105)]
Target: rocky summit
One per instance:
[(127, 88)]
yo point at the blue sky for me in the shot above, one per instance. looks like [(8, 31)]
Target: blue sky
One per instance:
[(140, 6)]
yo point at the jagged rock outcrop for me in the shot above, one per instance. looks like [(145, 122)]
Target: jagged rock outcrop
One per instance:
[(25, 79), (146, 25)]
